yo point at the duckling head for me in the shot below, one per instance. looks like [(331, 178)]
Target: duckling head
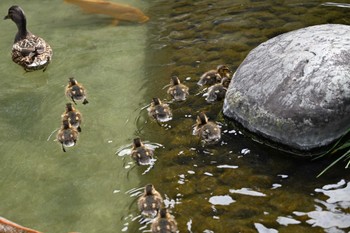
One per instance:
[(156, 101), (202, 119), (65, 124), (137, 142), (175, 80), (69, 107), (163, 212), (224, 71), (225, 82), (149, 189), (72, 81)]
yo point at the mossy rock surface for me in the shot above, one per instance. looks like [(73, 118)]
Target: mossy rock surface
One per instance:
[(294, 89)]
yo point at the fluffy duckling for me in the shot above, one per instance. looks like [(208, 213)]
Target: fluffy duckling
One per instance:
[(67, 135), (208, 131), (217, 92), (140, 153), (214, 76), (29, 51), (73, 116), (75, 91), (150, 202), (177, 90), (164, 223), (159, 111)]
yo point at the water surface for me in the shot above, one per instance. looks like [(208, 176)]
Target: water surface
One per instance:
[(235, 186)]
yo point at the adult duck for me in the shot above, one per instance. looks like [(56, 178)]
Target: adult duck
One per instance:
[(28, 50)]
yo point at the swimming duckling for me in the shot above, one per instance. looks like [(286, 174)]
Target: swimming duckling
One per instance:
[(73, 116), (159, 111), (76, 91), (208, 131), (164, 223), (177, 90), (150, 202), (214, 76), (67, 135), (140, 153), (217, 92), (29, 51)]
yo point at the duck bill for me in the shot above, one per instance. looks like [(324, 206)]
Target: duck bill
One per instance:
[(6, 17)]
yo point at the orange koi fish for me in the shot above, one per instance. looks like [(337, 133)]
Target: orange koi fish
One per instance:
[(119, 12), (6, 226)]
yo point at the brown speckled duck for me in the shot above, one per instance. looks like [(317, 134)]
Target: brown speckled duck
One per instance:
[(208, 131), (217, 92), (159, 111), (164, 223), (29, 51), (150, 202), (177, 90), (67, 135), (73, 116), (75, 91), (214, 76), (140, 153)]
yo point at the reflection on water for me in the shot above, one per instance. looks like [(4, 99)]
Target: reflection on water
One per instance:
[(235, 186)]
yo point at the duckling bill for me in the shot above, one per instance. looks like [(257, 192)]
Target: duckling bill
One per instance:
[(28, 50)]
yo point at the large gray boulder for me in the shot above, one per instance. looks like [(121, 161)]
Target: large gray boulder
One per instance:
[(295, 88)]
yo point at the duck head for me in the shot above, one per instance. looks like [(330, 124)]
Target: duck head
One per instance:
[(137, 142), (149, 189)]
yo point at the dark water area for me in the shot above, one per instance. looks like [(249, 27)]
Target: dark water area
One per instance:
[(237, 185)]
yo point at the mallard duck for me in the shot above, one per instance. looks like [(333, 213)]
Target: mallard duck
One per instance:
[(177, 90), (159, 111), (75, 91), (214, 76), (140, 153), (150, 202), (29, 51), (208, 131), (217, 92), (164, 223), (73, 116), (67, 135)]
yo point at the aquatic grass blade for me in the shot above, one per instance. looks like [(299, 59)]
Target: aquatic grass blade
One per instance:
[(332, 164)]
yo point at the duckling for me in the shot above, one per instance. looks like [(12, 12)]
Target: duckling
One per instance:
[(177, 90), (164, 223), (67, 135), (73, 116), (140, 153), (208, 131), (76, 91), (150, 202), (29, 51), (159, 111), (214, 76), (217, 92)]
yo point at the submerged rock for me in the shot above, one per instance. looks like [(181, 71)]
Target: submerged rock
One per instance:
[(294, 89)]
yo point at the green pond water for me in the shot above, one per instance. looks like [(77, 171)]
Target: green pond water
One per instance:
[(235, 186)]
